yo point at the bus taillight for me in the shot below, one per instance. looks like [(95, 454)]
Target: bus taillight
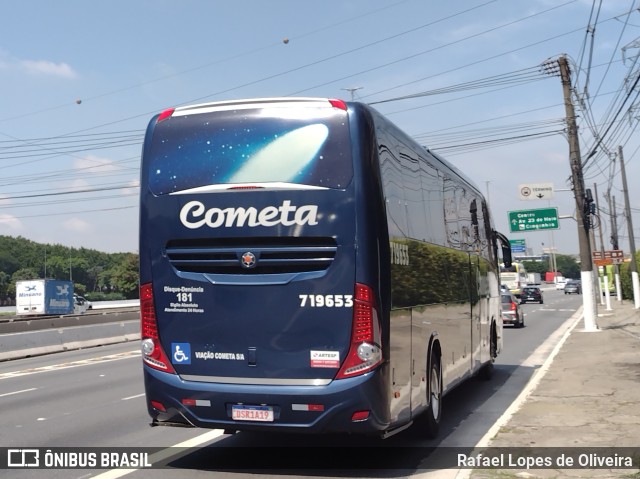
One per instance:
[(365, 350), (152, 353)]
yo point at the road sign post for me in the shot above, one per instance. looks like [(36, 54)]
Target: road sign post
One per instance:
[(533, 220)]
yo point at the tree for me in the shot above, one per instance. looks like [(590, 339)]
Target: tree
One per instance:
[(626, 283), (93, 276), (536, 267), (20, 275), (568, 266), (125, 276), (24, 274), (5, 281), (90, 270), (57, 267)]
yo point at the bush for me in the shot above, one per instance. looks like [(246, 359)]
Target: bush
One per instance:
[(98, 296), (626, 283)]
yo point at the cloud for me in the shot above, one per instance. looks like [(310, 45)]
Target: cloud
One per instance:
[(45, 67), (79, 184), (133, 188), (95, 164), (42, 68), (77, 225), (10, 223)]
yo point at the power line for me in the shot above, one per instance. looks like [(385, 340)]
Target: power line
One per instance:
[(205, 65), (431, 50), (98, 210), (518, 77)]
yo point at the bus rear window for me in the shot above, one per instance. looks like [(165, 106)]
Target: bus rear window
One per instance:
[(198, 152)]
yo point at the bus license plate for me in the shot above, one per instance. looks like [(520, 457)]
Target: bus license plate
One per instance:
[(252, 413)]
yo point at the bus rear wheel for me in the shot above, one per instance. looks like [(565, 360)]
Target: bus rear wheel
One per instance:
[(429, 422)]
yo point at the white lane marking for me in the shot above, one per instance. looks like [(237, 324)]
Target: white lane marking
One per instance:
[(541, 356), (533, 383), (73, 364), (17, 392), (133, 397), (534, 358), (166, 453)]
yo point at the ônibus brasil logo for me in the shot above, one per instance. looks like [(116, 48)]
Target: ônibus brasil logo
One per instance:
[(195, 215)]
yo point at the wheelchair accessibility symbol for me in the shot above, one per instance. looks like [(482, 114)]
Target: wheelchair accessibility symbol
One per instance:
[(181, 353)]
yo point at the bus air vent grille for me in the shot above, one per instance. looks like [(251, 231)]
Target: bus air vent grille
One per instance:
[(272, 255)]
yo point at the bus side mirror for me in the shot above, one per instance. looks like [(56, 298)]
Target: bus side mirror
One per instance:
[(505, 246), (473, 209), (506, 255)]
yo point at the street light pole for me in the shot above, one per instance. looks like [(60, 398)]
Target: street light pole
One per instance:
[(586, 269), (353, 91)]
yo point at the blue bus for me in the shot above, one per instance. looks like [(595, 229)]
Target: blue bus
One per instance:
[(306, 266)]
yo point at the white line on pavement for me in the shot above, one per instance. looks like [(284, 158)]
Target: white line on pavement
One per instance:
[(17, 392), (133, 397), (166, 453), (73, 364)]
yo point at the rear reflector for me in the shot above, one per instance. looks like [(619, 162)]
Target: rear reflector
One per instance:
[(159, 406), (360, 416), (307, 407), (196, 402)]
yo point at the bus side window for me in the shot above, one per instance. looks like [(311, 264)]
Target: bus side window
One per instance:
[(392, 185)]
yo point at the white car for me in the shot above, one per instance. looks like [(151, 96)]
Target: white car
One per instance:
[(561, 284), (81, 304)]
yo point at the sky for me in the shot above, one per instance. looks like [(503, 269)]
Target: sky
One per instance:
[(81, 80)]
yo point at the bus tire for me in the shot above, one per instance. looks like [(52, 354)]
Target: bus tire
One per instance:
[(486, 372), (430, 420)]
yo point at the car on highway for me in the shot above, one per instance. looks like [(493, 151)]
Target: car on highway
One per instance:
[(573, 286), (531, 294), (511, 311), (81, 304)]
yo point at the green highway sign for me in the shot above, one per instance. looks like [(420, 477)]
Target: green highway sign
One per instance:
[(518, 245), (533, 220)]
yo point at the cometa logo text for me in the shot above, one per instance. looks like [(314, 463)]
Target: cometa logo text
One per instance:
[(195, 215)]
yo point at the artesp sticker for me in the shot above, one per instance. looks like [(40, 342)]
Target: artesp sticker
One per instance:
[(325, 359)]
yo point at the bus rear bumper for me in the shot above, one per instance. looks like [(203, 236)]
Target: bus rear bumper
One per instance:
[(354, 405)]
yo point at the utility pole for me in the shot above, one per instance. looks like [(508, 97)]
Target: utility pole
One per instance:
[(597, 198), (614, 241), (594, 247), (602, 248), (632, 243), (611, 201), (582, 205)]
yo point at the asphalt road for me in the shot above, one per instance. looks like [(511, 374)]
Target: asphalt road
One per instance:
[(94, 397)]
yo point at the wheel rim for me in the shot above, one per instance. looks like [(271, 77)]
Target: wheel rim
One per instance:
[(435, 392)]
